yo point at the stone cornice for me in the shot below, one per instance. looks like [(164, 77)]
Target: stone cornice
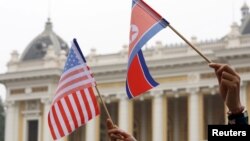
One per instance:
[(153, 63), (29, 74), (231, 52), (26, 97)]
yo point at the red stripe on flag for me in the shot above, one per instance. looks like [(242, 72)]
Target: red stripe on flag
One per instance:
[(136, 79), (65, 119), (71, 90), (149, 10), (91, 92), (51, 128), (59, 127), (78, 107), (71, 74), (143, 21), (86, 104), (71, 111), (82, 78)]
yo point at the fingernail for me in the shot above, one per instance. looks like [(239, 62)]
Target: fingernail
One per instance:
[(210, 64)]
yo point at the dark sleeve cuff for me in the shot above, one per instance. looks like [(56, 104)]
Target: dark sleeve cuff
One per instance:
[(238, 119)]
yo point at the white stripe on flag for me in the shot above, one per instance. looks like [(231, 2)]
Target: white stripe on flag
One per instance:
[(92, 108), (75, 85), (72, 77), (72, 69), (59, 115), (83, 106), (53, 123), (73, 103), (65, 107)]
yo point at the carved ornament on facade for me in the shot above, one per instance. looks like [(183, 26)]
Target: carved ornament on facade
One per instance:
[(156, 93), (46, 101), (192, 90), (32, 108), (9, 103), (193, 78), (210, 75)]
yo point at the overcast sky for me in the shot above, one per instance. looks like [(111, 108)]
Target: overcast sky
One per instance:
[(104, 24)]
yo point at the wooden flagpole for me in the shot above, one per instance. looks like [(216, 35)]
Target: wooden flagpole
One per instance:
[(106, 109), (183, 38), (104, 105)]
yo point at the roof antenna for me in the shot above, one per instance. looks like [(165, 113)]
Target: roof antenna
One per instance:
[(49, 10), (233, 12), (48, 25)]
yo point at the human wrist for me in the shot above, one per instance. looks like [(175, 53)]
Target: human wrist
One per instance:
[(239, 118), (239, 109)]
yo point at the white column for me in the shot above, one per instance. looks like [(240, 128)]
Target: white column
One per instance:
[(90, 130), (193, 112), (46, 131), (62, 139), (125, 113), (159, 116), (243, 94), (10, 123)]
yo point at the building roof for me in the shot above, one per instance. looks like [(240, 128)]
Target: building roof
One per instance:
[(38, 46), (245, 27)]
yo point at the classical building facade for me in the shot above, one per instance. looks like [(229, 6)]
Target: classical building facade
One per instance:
[(179, 109)]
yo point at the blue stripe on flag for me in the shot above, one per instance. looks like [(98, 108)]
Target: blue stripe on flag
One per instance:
[(79, 50), (128, 91), (146, 73), (145, 70), (148, 35), (134, 2)]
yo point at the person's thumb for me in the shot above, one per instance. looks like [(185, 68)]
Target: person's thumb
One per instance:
[(109, 124), (214, 65)]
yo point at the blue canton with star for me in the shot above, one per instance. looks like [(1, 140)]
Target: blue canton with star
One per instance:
[(72, 61)]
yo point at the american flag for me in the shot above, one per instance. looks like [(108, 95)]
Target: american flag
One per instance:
[(74, 103)]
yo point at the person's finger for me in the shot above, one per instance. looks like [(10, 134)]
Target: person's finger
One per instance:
[(109, 124), (118, 131), (234, 79), (226, 68), (219, 71), (215, 65), (229, 84), (228, 76), (115, 136)]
